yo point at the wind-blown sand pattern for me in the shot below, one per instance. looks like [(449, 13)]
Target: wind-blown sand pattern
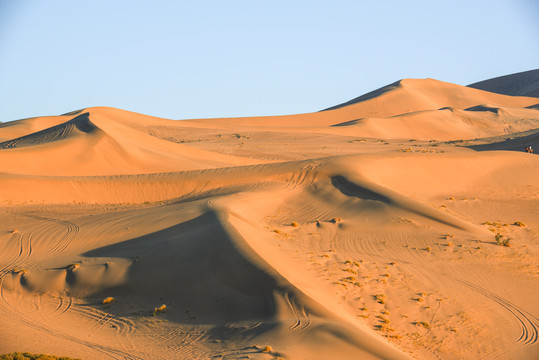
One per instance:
[(371, 230)]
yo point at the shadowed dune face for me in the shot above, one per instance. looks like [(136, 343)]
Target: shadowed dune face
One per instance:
[(525, 83), (220, 284), (79, 124), (514, 142), (368, 96), (394, 226)]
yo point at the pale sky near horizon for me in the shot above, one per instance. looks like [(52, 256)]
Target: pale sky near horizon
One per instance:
[(196, 59)]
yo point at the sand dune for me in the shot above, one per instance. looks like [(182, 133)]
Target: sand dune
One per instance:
[(371, 230), (525, 83), (99, 142), (419, 108)]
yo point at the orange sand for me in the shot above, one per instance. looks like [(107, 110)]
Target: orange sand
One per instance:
[(367, 231)]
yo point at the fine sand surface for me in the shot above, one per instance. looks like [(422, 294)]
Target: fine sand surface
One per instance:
[(524, 83), (365, 231)]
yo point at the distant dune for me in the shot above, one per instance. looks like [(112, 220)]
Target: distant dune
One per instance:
[(525, 83), (400, 224)]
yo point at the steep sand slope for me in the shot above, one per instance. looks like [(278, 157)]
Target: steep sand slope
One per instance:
[(370, 231), (524, 83)]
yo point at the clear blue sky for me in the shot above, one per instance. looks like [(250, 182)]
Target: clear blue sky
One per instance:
[(192, 59)]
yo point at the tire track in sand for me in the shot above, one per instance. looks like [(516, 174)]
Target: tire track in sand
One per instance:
[(13, 313), (71, 230), (10, 311), (528, 323), (25, 250), (99, 319), (302, 319), (180, 342)]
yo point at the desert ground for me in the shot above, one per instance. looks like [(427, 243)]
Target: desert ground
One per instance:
[(403, 224)]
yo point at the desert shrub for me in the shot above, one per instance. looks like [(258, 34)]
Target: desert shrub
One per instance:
[(108, 300), (28, 356), (501, 241), (159, 309), (519, 223), (426, 325)]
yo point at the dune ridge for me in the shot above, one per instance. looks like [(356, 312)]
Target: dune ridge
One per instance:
[(524, 83), (400, 224)]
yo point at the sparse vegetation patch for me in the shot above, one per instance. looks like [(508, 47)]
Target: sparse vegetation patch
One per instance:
[(28, 356), (159, 309), (380, 298), (108, 300), (500, 240)]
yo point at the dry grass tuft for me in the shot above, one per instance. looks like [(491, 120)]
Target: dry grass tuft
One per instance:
[(426, 325), (380, 298), (108, 300), (159, 309), (519, 223), (501, 241), (294, 224), (28, 356), (267, 349)]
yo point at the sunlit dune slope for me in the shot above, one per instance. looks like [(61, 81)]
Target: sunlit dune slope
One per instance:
[(394, 226), (99, 141), (424, 109), (128, 143)]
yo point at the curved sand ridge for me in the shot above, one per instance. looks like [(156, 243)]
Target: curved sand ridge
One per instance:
[(295, 232), (98, 142)]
